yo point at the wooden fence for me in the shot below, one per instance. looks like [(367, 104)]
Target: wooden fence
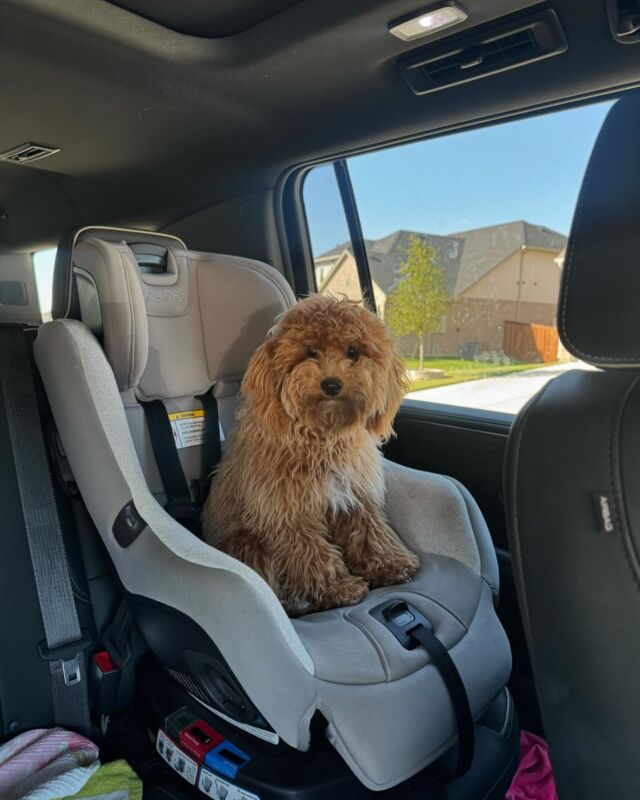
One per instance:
[(525, 341)]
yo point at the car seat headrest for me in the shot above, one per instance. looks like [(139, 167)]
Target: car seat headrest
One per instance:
[(600, 293), (172, 322), (140, 242)]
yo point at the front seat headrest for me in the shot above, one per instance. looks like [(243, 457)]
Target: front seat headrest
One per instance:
[(598, 312)]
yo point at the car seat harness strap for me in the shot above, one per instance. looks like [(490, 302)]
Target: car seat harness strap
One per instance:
[(66, 643), (180, 504), (212, 446), (413, 629), (164, 448)]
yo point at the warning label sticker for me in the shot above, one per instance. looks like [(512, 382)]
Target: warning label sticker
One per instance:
[(188, 428), (216, 787), (176, 758)]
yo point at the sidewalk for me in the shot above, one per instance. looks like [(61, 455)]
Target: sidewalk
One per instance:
[(507, 393)]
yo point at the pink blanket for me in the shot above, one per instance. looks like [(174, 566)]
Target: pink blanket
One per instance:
[(534, 778), (46, 763)]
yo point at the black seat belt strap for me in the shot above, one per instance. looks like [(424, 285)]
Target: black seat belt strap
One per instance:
[(65, 644), (117, 636), (411, 628), (179, 503), (443, 662), (212, 446)]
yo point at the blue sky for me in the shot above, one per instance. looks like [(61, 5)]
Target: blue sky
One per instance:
[(531, 169)]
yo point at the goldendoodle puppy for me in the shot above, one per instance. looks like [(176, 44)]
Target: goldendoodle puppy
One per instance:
[(299, 494)]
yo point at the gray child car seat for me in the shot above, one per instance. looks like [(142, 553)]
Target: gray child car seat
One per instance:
[(162, 322)]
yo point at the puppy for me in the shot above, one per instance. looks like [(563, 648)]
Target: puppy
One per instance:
[(299, 494)]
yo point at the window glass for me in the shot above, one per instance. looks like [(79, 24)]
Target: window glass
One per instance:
[(465, 236), (335, 268), (43, 264)]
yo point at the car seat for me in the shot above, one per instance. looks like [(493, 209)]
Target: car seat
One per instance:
[(156, 321)]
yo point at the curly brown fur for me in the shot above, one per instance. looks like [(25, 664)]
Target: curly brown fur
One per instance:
[(299, 494)]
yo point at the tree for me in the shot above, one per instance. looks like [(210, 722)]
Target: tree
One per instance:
[(419, 299)]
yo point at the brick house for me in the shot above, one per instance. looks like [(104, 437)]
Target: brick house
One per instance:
[(494, 274)]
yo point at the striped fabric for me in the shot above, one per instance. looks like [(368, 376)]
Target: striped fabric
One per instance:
[(46, 763)]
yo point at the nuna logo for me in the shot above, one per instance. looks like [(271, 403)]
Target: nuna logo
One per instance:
[(605, 511), (163, 297)]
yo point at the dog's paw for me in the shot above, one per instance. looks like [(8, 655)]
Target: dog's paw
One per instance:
[(345, 591), (400, 569)]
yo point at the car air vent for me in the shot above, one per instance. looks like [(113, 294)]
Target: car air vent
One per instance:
[(26, 153), (495, 49)]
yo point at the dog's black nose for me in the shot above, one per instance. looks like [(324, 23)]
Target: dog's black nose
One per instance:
[(331, 386)]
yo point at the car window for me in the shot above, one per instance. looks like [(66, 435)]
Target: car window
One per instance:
[(334, 265), (43, 264), (465, 236)]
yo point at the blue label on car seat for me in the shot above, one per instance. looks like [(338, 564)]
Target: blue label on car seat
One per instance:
[(226, 759)]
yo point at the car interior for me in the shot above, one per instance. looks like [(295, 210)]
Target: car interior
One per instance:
[(175, 176)]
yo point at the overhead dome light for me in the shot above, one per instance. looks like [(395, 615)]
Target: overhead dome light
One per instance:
[(430, 21)]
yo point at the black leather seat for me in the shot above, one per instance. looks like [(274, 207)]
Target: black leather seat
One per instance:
[(573, 489)]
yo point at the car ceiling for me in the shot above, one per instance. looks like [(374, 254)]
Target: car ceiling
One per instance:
[(161, 108)]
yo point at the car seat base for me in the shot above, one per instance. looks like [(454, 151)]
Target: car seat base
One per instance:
[(276, 772)]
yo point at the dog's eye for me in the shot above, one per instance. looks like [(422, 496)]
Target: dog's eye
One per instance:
[(353, 353), (311, 353)]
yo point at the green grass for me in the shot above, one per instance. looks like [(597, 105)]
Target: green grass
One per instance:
[(457, 370)]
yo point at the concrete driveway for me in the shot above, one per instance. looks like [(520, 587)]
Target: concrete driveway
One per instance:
[(507, 393)]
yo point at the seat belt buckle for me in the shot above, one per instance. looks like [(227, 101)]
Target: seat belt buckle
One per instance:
[(69, 651), (104, 682), (69, 655), (71, 671)]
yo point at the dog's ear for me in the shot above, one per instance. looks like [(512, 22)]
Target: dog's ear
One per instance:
[(397, 385), (259, 380)]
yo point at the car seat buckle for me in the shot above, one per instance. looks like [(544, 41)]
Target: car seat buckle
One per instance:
[(400, 619)]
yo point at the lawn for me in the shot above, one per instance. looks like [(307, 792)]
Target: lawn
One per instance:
[(457, 370)]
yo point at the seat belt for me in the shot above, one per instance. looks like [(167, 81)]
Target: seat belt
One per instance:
[(443, 662), (411, 628), (117, 635), (179, 503), (65, 642)]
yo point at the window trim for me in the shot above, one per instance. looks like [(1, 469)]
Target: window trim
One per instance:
[(350, 208)]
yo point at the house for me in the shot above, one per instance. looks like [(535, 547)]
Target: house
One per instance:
[(494, 274)]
